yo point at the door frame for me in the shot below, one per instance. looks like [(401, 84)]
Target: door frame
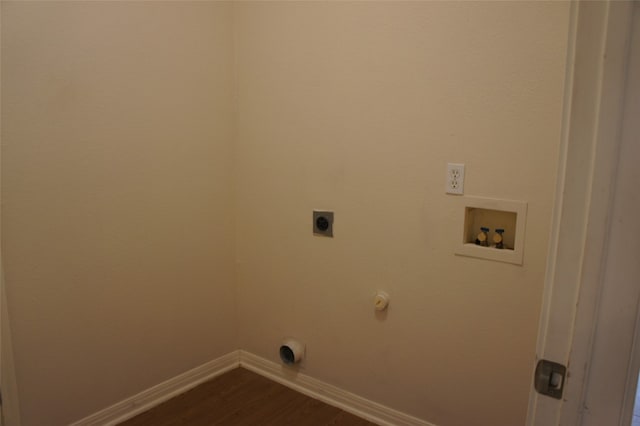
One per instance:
[(610, 390), (10, 407), (595, 80)]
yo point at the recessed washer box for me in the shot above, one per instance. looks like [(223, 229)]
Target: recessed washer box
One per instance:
[(494, 214)]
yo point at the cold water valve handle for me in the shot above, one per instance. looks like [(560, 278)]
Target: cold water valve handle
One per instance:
[(483, 237)]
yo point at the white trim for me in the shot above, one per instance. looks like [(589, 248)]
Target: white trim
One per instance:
[(603, 22), (589, 147), (287, 376), (631, 386), (10, 403), (610, 358), (10, 407), (327, 393), (156, 395)]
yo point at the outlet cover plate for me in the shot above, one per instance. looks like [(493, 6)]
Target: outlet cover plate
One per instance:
[(455, 178)]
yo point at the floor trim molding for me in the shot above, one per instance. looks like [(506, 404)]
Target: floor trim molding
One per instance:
[(164, 391), (307, 385), (332, 395)]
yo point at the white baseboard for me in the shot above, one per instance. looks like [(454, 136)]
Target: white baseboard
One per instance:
[(327, 393), (302, 383), (151, 397)]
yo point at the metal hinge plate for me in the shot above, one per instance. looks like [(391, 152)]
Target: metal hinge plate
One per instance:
[(549, 378)]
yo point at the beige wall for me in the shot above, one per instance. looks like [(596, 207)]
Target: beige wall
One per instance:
[(117, 197), (120, 147), (357, 107)]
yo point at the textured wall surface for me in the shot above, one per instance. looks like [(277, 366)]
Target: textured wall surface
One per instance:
[(117, 197), (357, 108), (147, 146)]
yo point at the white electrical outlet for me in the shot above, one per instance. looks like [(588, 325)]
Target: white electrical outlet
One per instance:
[(455, 178)]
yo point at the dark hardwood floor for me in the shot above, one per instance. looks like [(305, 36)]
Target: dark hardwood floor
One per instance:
[(241, 397)]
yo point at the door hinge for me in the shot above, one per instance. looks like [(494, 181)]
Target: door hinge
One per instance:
[(549, 378)]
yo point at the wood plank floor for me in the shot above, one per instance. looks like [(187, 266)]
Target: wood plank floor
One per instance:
[(241, 397)]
